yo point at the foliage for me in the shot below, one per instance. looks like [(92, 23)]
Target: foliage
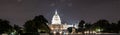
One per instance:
[(69, 29), (106, 26), (5, 27), (102, 24), (16, 29), (30, 26), (81, 26), (39, 23)]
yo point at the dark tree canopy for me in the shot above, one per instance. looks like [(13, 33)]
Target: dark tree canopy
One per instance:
[(16, 27), (81, 23), (119, 22), (119, 25), (5, 27), (39, 23), (40, 18), (81, 26), (70, 29), (30, 26), (102, 23)]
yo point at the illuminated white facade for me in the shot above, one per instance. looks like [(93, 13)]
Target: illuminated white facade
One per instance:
[(56, 18), (56, 26)]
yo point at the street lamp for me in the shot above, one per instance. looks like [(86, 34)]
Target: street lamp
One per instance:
[(84, 25), (99, 30)]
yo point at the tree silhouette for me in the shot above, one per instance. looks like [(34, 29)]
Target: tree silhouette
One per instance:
[(5, 27), (104, 24), (41, 23), (38, 24), (81, 26), (81, 23), (88, 26), (113, 28), (119, 26), (17, 29), (69, 29), (30, 26)]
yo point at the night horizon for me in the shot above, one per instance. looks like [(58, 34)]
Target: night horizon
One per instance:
[(70, 11)]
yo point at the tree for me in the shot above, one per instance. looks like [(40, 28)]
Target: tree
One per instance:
[(17, 29), (41, 23), (81, 23), (81, 26), (103, 24), (119, 22), (5, 27), (38, 24), (69, 29), (88, 26), (118, 25), (113, 28), (30, 26)]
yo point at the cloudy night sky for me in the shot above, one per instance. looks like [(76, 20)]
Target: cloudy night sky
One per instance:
[(70, 11)]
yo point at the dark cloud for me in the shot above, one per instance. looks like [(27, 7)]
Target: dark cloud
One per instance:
[(71, 11)]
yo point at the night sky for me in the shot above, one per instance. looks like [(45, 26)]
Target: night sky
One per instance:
[(70, 11)]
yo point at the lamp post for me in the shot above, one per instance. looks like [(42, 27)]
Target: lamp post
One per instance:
[(83, 29)]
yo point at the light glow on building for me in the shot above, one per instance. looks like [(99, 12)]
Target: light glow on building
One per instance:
[(57, 26), (56, 18)]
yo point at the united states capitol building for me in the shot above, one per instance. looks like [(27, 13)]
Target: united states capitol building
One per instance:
[(57, 27)]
